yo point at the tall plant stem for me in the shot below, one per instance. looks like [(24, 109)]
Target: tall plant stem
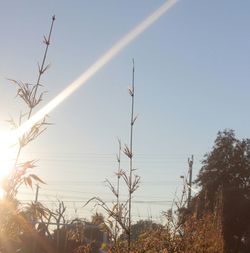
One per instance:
[(118, 190), (41, 71), (132, 93), (42, 68)]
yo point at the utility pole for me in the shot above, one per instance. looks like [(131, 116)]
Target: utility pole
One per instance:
[(37, 191), (190, 171)]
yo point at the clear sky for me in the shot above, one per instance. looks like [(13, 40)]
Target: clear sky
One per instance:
[(192, 78)]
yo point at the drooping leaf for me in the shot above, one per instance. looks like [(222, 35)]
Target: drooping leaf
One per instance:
[(28, 181), (35, 177)]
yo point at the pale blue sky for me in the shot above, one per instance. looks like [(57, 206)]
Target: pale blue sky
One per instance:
[(192, 80)]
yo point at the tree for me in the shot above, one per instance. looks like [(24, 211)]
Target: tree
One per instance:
[(228, 165), (225, 184), (139, 228)]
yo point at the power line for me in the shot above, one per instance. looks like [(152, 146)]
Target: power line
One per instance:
[(107, 201), (53, 182), (113, 154), (48, 193)]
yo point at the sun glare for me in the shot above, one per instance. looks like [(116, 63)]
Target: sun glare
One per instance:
[(8, 139)]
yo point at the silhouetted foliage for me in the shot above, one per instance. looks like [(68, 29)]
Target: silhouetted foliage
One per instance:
[(227, 166), (225, 184)]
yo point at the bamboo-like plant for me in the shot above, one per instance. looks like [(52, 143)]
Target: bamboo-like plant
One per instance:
[(13, 220), (120, 215), (112, 223), (131, 180), (118, 174), (32, 97)]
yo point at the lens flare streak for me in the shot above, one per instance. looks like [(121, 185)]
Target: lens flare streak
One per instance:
[(103, 60)]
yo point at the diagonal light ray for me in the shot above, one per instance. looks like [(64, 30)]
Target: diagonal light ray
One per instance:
[(101, 62)]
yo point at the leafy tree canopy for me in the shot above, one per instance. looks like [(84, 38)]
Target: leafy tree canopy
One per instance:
[(225, 188), (227, 166)]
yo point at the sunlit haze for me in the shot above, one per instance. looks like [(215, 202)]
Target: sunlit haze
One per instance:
[(192, 79)]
